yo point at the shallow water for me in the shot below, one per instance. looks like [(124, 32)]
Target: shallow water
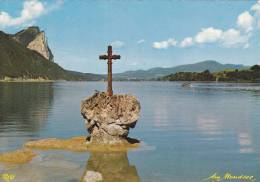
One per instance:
[(188, 134)]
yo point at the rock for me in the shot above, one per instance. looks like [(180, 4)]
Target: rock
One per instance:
[(92, 176), (26, 36), (109, 118), (40, 45), (34, 39)]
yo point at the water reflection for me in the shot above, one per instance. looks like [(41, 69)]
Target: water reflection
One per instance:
[(208, 126), (24, 106), (110, 167)]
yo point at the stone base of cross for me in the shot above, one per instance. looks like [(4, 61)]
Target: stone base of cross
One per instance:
[(109, 57)]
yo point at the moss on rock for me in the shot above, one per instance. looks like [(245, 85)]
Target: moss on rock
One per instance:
[(17, 157), (79, 144)]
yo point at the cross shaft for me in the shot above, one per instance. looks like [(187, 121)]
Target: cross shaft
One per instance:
[(109, 57)]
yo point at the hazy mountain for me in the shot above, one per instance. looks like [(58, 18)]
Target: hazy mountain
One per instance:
[(210, 65)]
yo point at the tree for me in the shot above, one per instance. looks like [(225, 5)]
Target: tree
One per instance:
[(206, 72), (255, 68)]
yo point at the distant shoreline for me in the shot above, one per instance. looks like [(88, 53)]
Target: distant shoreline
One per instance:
[(180, 81), (21, 81), (25, 80)]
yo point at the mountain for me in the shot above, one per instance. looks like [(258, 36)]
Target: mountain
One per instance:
[(210, 65), (34, 39), (26, 55), (88, 76)]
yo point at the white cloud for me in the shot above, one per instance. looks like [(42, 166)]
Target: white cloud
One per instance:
[(188, 41), (32, 9), (54, 6), (165, 44), (245, 20), (208, 35), (140, 41), (229, 38), (117, 44), (256, 10), (233, 38), (256, 7)]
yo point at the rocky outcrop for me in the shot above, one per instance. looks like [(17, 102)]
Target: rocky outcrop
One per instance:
[(34, 39), (40, 45), (25, 36), (109, 118)]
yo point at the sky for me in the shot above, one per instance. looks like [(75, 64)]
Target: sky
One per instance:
[(146, 33)]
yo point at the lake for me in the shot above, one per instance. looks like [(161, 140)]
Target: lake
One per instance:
[(187, 134)]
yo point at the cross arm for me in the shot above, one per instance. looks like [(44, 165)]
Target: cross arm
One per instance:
[(116, 57), (103, 57)]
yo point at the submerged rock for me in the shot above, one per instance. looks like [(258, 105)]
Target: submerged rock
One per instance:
[(92, 176), (17, 157), (79, 144), (109, 118)]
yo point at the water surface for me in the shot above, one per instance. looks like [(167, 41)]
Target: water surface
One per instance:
[(187, 133)]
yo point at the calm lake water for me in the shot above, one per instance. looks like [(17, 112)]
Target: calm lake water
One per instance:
[(187, 134)]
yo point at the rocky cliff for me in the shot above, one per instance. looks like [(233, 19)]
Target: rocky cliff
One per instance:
[(34, 39)]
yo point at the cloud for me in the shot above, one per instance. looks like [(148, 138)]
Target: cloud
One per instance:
[(208, 35), (256, 10), (32, 9), (165, 44), (239, 36), (188, 41), (228, 38), (245, 20), (140, 41), (256, 7), (54, 6), (233, 38), (117, 44)]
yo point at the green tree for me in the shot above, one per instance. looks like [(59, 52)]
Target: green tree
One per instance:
[(255, 68)]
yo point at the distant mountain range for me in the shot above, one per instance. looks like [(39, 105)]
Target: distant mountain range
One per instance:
[(26, 55), (210, 65)]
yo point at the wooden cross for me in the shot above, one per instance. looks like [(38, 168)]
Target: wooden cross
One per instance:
[(109, 58)]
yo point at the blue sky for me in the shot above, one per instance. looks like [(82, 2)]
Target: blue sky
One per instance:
[(155, 33)]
